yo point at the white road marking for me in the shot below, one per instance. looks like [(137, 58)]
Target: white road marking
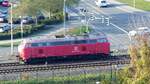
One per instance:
[(119, 28), (100, 11), (109, 16)]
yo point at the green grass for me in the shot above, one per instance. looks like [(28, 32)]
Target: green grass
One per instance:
[(140, 4), (79, 30), (81, 79), (8, 44)]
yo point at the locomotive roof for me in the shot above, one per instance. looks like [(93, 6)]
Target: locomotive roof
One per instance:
[(67, 38)]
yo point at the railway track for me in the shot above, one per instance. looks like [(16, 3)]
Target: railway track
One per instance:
[(110, 58), (35, 68), (10, 64)]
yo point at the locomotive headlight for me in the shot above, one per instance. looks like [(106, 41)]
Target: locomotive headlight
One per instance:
[(19, 48)]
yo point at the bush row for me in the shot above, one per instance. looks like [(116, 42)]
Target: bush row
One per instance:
[(30, 29), (54, 19), (27, 30)]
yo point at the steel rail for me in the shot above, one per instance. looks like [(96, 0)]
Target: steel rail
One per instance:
[(61, 66), (110, 58)]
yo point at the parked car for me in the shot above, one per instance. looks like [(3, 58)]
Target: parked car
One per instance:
[(27, 20), (40, 17), (4, 12), (140, 31), (3, 20), (3, 15), (5, 3), (132, 33), (16, 20), (101, 3), (4, 27), (143, 30)]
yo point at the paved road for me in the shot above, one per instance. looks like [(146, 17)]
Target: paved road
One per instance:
[(122, 16)]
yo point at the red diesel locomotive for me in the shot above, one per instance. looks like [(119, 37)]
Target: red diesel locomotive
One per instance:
[(41, 50)]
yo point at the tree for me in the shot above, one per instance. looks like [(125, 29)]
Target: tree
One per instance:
[(33, 7), (139, 71)]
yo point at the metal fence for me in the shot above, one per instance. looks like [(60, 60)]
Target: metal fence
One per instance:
[(66, 76)]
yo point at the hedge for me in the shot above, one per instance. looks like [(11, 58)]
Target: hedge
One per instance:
[(30, 29)]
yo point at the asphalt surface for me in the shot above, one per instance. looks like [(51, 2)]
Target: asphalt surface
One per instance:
[(127, 20), (121, 17)]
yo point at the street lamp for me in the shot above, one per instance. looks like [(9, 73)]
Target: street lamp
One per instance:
[(64, 13), (83, 12), (82, 22), (21, 25), (92, 18), (11, 29)]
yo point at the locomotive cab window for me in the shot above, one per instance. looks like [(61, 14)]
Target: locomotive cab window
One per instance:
[(92, 41)]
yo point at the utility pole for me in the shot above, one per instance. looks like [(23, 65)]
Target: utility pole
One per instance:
[(64, 13), (21, 25)]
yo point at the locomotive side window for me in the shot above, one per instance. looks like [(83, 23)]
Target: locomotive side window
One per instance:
[(55, 43), (40, 44), (34, 44), (80, 41), (48, 43), (61, 43), (92, 41), (67, 42), (44, 44)]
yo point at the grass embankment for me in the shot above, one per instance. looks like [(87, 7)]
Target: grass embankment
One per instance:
[(140, 4), (8, 43), (72, 31), (81, 79), (75, 31)]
